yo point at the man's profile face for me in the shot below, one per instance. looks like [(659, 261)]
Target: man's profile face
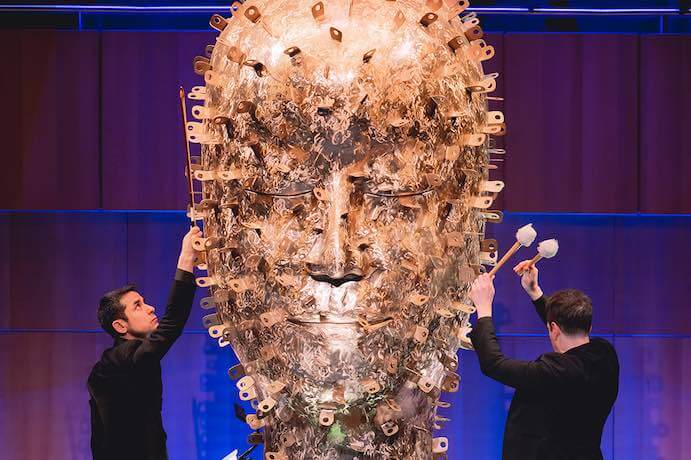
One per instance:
[(141, 319)]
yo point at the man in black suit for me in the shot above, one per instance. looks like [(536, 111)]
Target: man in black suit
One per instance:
[(562, 399), (125, 385)]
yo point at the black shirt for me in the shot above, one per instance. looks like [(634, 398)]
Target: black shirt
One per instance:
[(126, 390), (562, 400)]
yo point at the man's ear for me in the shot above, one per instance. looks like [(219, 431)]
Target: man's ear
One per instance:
[(553, 328), (120, 326)]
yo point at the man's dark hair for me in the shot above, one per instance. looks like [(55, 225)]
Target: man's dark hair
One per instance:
[(110, 308), (571, 309)]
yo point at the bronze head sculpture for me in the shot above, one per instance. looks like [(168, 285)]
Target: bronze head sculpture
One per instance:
[(344, 170)]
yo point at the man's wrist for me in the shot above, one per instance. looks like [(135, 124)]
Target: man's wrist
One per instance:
[(484, 312), (535, 294), (186, 262)]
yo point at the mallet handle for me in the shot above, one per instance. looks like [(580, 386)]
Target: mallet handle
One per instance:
[(516, 246)]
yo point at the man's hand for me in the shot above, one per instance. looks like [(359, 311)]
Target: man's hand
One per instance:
[(187, 253), (482, 294), (529, 274)]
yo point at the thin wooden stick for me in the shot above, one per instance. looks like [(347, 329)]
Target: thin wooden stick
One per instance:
[(535, 260), (188, 167), (516, 246)]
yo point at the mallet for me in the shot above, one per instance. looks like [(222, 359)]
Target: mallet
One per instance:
[(545, 250), (524, 237)]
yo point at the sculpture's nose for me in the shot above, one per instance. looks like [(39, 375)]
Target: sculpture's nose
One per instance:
[(331, 259)]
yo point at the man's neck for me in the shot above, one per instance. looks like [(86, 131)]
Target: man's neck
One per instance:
[(573, 341), (129, 336)]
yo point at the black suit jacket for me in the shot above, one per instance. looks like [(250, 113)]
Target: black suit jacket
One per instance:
[(126, 390), (562, 400)]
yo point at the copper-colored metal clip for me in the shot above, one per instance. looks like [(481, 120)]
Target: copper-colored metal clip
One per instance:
[(336, 34), (252, 13), (481, 202), (206, 281), (493, 186), (473, 140), (474, 33), (440, 445), (462, 307), (455, 43), (197, 93), (428, 19), (207, 303), (218, 22), (248, 394), (425, 385), (235, 55), (256, 438), (419, 299), (292, 51), (318, 11), (420, 334), (259, 68), (371, 386), (206, 244), (481, 50), (236, 372), (239, 285), (211, 320), (493, 217), (245, 382), (451, 382), (389, 428), (267, 404), (326, 417), (201, 65), (489, 245), (254, 422)]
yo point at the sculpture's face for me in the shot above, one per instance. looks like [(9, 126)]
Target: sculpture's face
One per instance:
[(351, 263), (345, 177)]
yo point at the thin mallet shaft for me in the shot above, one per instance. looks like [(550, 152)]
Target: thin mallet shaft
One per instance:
[(188, 165), (516, 246)]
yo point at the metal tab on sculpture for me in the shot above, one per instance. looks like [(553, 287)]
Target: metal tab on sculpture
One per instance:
[(345, 186)]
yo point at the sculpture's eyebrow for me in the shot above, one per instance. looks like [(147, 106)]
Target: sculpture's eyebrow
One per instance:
[(398, 195), (279, 195)]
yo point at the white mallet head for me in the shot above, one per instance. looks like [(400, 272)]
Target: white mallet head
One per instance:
[(548, 248), (526, 235)]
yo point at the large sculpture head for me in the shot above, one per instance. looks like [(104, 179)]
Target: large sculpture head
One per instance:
[(345, 157)]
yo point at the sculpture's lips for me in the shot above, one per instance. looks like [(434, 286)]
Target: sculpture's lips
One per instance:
[(336, 281), (316, 320)]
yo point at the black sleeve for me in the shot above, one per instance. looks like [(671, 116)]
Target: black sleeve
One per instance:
[(171, 325), (541, 308), (97, 437), (549, 371)]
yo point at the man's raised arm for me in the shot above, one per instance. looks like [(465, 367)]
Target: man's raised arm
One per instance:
[(529, 280), (178, 306)]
